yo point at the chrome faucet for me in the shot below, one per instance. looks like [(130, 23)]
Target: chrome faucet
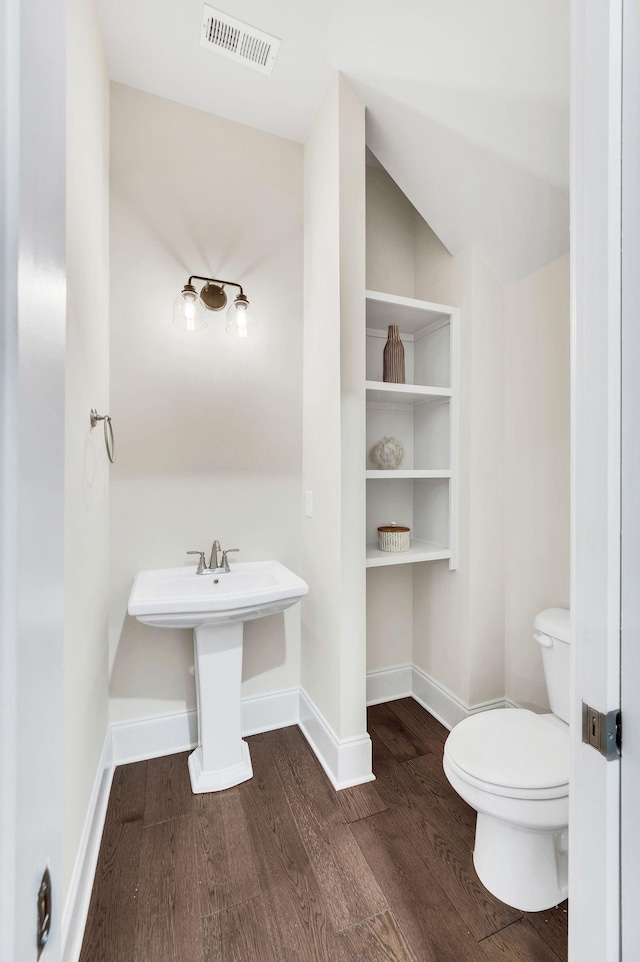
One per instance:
[(213, 567)]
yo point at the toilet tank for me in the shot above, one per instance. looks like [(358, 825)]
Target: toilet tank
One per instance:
[(553, 634)]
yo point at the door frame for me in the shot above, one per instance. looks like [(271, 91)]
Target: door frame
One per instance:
[(9, 238), (596, 164), (32, 410), (630, 595)]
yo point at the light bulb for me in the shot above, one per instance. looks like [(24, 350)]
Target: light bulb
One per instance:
[(240, 323), (189, 313)]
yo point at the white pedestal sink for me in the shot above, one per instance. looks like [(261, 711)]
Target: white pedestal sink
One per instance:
[(216, 607)]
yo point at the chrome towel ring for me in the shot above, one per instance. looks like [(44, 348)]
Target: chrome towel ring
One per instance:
[(109, 440)]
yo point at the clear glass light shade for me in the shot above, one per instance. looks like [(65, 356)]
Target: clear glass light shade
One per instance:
[(240, 323), (189, 313)]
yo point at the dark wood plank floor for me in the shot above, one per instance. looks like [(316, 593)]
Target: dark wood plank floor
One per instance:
[(284, 869)]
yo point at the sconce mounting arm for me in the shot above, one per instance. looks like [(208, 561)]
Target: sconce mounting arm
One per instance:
[(213, 280)]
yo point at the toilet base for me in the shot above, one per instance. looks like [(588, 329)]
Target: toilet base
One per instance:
[(523, 868)]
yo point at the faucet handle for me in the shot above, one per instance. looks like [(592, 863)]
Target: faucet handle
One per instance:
[(225, 562), (201, 565)]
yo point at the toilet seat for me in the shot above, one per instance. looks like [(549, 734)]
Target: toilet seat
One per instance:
[(506, 791), (511, 752)]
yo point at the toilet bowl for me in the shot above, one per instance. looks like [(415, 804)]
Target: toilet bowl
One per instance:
[(512, 766)]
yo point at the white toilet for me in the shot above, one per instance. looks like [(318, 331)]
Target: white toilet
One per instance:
[(512, 766)]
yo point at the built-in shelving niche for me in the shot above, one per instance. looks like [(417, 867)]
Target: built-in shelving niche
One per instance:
[(422, 415)]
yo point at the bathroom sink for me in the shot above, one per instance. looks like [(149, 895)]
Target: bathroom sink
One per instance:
[(179, 598), (216, 606)]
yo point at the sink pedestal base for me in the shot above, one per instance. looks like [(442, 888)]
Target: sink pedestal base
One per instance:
[(222, 758), (216, 780)]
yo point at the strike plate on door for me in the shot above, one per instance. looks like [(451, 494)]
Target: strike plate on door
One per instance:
[(603, 731)]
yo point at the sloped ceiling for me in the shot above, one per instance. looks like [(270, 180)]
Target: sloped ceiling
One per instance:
[(467, 101)]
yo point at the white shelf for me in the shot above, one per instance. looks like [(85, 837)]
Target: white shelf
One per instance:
[(412, 316), (399, 474), (404, 393), (422, 415), (419, 551)]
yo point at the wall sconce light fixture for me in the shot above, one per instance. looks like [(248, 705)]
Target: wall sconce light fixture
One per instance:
[(190, 308)]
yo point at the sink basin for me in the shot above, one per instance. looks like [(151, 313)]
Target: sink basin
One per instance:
[(178, 598), (216, 607)]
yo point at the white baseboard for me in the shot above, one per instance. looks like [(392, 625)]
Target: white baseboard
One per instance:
[(389, 684), (403, 681), (76, 907), (154, 735), (178, 731), (266, 713), (442, 703), (533, 706), (347, 761), (438, 700), (490, 705)]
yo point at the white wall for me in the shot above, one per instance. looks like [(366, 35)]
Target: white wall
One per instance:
[(391, 236), (87, 385), (352, 192), (473, 631), (536, 468), (459, 616), (321, 535), (485, 408), (208, 427), (389, 617), (333, 621)]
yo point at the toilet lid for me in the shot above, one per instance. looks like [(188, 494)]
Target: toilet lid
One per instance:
[(511, 748)]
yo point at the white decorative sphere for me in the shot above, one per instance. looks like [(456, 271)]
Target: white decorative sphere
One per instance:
[(387, 453)]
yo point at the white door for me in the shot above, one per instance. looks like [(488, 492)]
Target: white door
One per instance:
[(32, 330), (594, 813), (630, 829)]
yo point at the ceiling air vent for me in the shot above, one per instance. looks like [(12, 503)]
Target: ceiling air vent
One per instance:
[(237, 40)]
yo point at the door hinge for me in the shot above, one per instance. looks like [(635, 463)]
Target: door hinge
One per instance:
[(603, 731)]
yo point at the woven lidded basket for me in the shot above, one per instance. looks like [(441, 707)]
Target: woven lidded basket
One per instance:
[(394, 537)]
